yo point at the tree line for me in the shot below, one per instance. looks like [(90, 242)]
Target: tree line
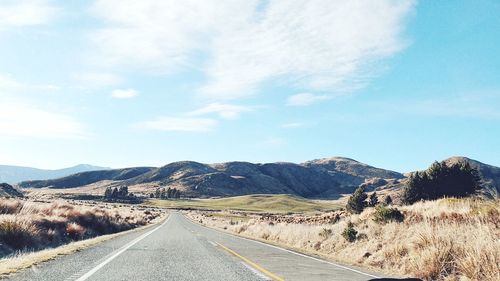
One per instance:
[(169, 193), (438, 181), (112, 194)]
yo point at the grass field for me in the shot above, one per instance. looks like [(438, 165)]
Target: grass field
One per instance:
[(252, 203)]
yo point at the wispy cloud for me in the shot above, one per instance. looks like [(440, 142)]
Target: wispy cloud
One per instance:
[(225, 111), (21, 119), (325, 46), (124, 93), (293, 125), (26, 13), (9, 84), (472, 105), (179, 124), (305, 99)]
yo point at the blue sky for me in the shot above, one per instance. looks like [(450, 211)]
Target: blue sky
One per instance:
[(395, 84)]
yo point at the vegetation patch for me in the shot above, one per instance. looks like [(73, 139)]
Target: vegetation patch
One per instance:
[(385, 214), (29, 226), (251, 203)]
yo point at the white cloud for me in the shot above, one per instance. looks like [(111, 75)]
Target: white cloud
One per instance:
[(179, 124), (124, 93), (304, 99), (25, 120), (321, 45), (225, 111), (26, 13), (293, 125)]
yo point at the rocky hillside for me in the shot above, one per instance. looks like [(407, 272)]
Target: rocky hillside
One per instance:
[(325, 178), (15, 174), (7, 190)]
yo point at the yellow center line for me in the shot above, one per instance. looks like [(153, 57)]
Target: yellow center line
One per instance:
[(253, 264)]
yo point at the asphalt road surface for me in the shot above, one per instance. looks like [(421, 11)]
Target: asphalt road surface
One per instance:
[(179, 249)]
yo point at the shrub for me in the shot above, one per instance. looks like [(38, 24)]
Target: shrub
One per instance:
[(373, 200), (349, 232), (325, 233), (384, 214), (441, 180), (388, 200), (18, 234), (356, 202), (75, 231)]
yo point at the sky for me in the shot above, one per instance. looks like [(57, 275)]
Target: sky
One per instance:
[(119, 83)]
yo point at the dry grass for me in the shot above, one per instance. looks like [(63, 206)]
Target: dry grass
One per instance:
[(447, 239), (25, 260), (29, 226)]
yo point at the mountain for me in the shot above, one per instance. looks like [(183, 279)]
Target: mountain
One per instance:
[(324, 178), (15, 174), (320, 178), (349, 172), (85, 178), (490, 174), (7, 190)]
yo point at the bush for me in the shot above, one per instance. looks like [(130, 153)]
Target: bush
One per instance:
[(349, 232), (441, 180), (373, 199), (18, 234), (325, 233), (356, 202), (388, 200), (384, 214)]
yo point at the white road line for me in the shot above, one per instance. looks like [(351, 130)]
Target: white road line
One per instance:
[(256, 272), (289, 251), (213, 243), (119, 251)]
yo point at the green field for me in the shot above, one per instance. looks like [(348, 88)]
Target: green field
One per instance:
[(251, 203)]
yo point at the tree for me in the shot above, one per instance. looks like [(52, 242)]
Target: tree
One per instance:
[(123, 192), (442, 180), (115, 192), (356, 202), (388, 200), (157, 193), (108, 193), (169, 193), (162, 193), (151, 195), (373, 200)]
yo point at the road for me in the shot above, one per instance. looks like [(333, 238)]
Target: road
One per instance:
[(179, 249)]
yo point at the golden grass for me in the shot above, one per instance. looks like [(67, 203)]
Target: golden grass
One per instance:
[(26, 260), (29, 226), (252, 203), (447, 239)]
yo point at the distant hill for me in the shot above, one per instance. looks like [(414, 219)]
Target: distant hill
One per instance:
[(7, 190), (15, 174), (321, 178), (84, 178), (325, 178)]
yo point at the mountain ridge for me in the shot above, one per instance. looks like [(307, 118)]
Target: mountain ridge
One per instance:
[(13, 174), (319, 178)]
